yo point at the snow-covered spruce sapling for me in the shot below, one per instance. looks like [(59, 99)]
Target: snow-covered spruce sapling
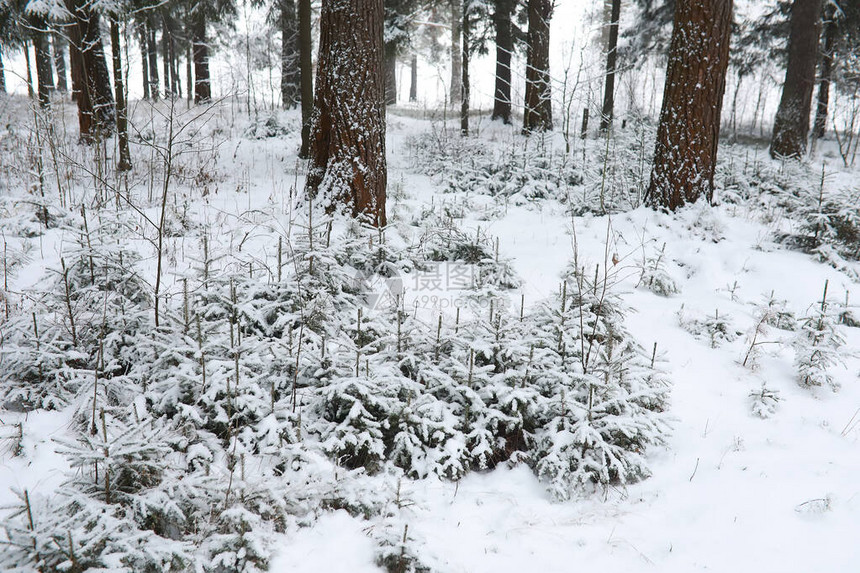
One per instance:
[(654, 276), (817, 345), (769, 313), (764, 401)]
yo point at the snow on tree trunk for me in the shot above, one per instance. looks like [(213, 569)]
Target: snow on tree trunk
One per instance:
[(202, 89), (289, 55), (611, 58), (44, 69), (348, 123), (456, 51), (504, 50), (124, 163), (413, 84), (791, 126), (830, 31), (537, 115), (688, 135), (90, 79)]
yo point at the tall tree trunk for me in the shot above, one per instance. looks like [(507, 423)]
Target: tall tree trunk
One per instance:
[(538, 106), (289, 55), (152, 55), (465, 41), (175, 81), (413, 83), (2, 74), (306, 75), (348, 143), (791, 126), (831, 28), (144, 59), (390, 65), (44, 66), (688, 135), (611, 62), (124, 163), (456, 51), (504, 49), (59, 42), (31, 93), (90, 76), (189, 78), (202, 89), (165, 60)]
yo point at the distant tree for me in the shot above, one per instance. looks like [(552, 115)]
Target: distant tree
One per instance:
[(688, 134), (791, 126), (538, 102), (456, 19), (58, 41), (200, 14), (124, 161), (13, 35), (831, 29), (348, 127), (397, 37)]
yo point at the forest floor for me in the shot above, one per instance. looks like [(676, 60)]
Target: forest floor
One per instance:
[(742, 484)]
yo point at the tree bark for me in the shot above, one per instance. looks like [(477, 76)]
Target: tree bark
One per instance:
[(200, 47), (165, 60), (290, 72), (60, 61), (390, 63), (124, 163), (152, 55), (413, 83), (791, 126), (538, 105), (831, 28), (306, 75), (465, 41), (144, 60), (688, 134), (2, 74), (456, 51), (348, 135), (504, 50), (44, 66), (611, 62), (31, 93), (90, 78)]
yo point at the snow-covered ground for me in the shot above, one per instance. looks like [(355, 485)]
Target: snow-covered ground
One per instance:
[(731, 491)]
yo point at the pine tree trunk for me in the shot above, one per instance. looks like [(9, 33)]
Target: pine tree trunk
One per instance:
[(688, 134), (456, 51), (465, 41), (152, 55), (144, 60), (189, 77), (289, 55), (831, 28), (504, 49), (413, 84), (31, 93), (165, 60), (90, 78), (202, 89), (390, 63), (348, 135), (60, 61), (611, 63), (124, 163), (538, 105), (44, 66), (306, 75), (791, 126)]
